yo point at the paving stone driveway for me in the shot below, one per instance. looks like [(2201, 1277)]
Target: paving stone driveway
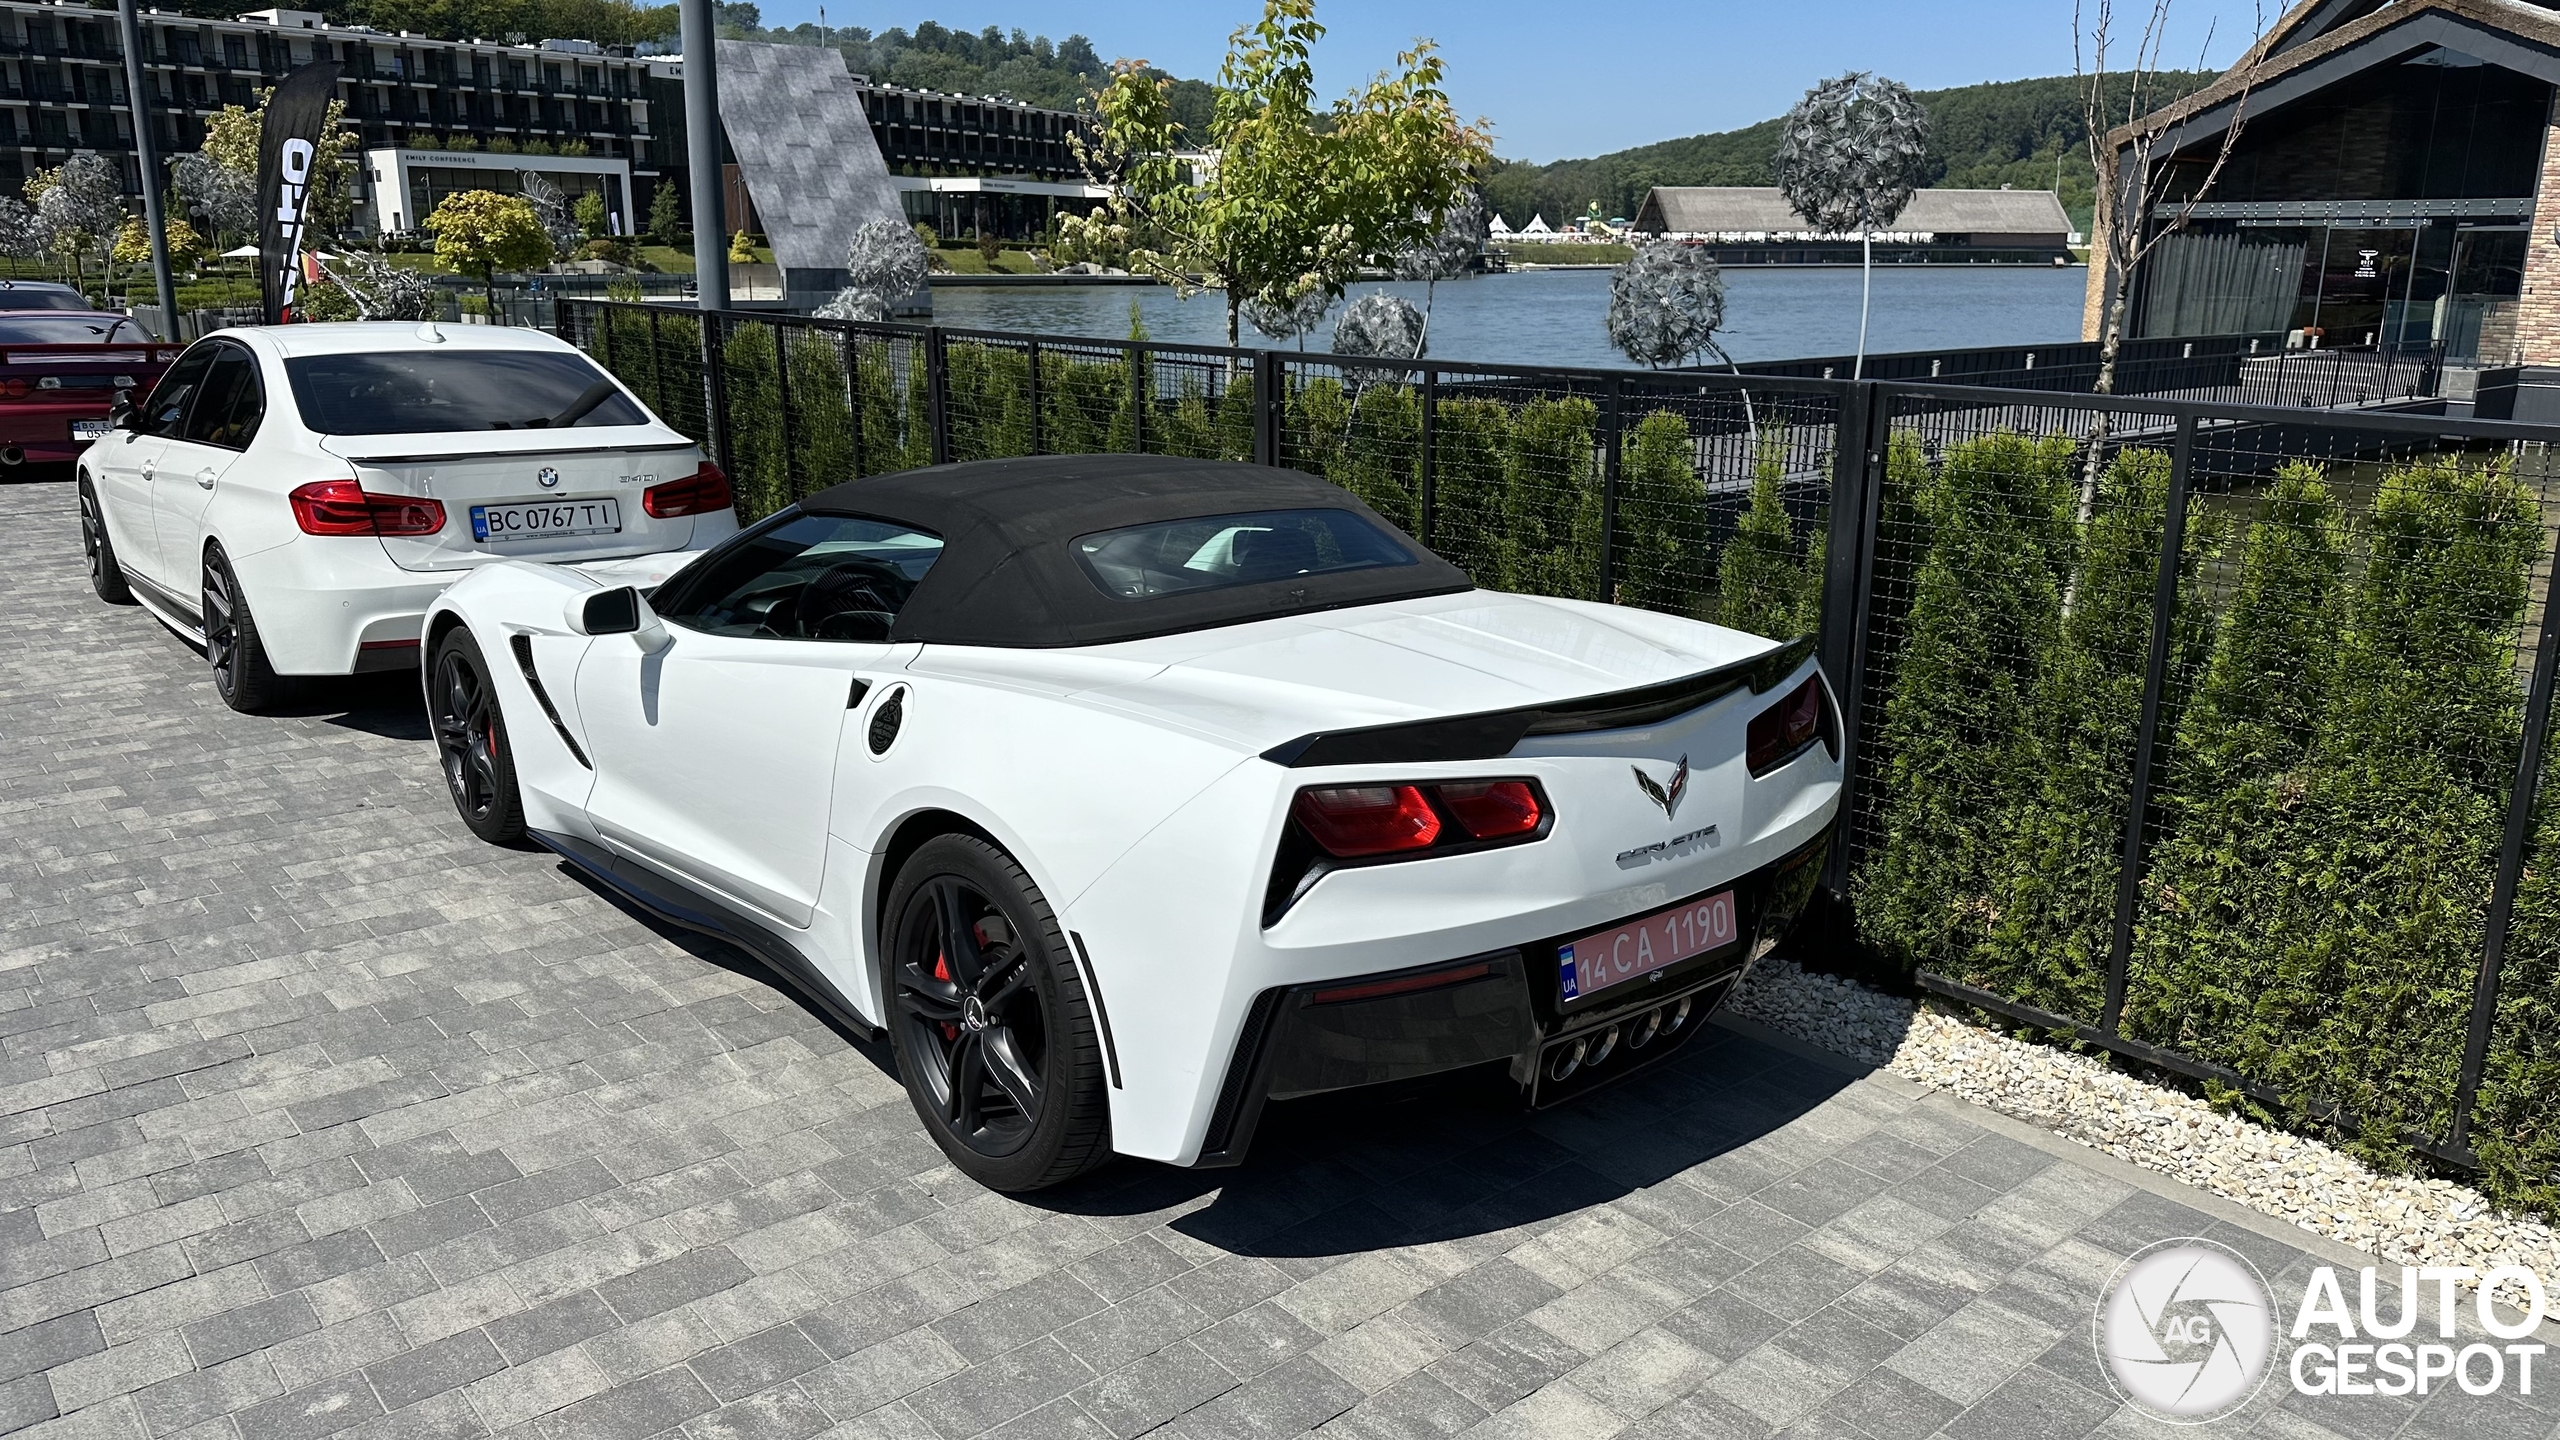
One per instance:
[(318, 1117)]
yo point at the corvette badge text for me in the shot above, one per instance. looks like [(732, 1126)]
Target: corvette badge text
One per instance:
[(2186, 1331)]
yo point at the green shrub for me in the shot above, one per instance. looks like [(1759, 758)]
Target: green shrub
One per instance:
[(821, 412), (1985, 609), (1467, 488), (1380, 459), (1661, 543), (2217, 879), (1551, 504), (1763, 585), (760, 469), (987, 392), (2369, 961), (2054, 895)]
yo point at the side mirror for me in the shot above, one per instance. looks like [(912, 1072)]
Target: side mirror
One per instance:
[(120, 414), (618, 611)]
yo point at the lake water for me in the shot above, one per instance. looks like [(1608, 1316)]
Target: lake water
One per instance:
[(1556, 317)]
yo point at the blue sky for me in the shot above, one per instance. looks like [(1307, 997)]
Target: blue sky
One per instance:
[(1580, 77)]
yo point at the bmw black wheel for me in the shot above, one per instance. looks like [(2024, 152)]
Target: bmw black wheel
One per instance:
[(106, 576), (241, 674), (471, 741), (994, 1036)]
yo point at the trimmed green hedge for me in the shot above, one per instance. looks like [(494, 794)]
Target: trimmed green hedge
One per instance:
[(2341, 713), (1516, 485)]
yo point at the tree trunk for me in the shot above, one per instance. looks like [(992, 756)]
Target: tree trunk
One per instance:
[(2110, 341), (1235, 310)]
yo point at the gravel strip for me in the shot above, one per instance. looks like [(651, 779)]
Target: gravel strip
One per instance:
[(2400, 1219)]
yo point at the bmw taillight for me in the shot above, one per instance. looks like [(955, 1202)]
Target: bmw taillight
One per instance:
[(1789, 728), (1352, 822), (13, 388), (343, 507), (699, 493)]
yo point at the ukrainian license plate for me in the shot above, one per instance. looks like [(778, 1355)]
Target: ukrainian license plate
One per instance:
[(90, 429), (1640, 947), (545, 520)]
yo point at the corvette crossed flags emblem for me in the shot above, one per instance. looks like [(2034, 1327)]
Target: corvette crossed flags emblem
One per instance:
[(1667, 796)]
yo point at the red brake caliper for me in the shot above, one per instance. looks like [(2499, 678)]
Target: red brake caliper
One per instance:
[(942, 972)]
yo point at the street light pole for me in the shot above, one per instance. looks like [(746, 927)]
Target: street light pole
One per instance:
[(146, 151), (702, 152)]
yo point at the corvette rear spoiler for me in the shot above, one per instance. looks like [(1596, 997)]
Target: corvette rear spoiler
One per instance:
[(1491, 734)]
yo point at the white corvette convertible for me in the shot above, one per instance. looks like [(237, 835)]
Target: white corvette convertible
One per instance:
[(1128, 794)]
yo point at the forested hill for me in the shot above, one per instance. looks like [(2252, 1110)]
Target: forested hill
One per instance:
[(2007, 132)]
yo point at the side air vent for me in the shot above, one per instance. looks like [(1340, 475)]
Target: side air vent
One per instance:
[(522, 645), (886, 720)]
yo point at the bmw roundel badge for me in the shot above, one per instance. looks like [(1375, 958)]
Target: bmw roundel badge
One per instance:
[(547, 477)]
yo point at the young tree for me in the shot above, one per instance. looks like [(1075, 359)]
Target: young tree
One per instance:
[(1849, 155), (662, 213), (480, 232), (1296, 197), (133, 243), (231, 141), (589, 214), (2133, 177)]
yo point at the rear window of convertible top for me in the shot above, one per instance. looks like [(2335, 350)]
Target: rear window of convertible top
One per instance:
[(407, 393), (1211, 552)]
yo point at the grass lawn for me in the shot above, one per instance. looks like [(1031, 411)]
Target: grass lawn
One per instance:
[(1535, 254)]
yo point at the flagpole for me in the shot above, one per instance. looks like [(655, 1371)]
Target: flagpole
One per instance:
[(146, 150)]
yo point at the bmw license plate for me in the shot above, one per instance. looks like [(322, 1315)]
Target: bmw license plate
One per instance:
[(545, 520), (1641, 947), (90, 429)]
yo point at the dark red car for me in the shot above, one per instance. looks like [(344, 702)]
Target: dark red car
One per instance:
[(62, 365)]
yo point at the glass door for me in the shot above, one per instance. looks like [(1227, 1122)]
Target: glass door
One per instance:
[(2475, 320)]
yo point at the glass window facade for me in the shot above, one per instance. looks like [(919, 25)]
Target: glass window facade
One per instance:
[(2387, 211)]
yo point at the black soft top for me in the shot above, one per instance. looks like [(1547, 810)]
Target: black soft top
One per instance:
[(1008, 574)]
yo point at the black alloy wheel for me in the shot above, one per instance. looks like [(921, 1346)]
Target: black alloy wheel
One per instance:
[(106, 575), (471, 744), (994, 1037), (241, 674)]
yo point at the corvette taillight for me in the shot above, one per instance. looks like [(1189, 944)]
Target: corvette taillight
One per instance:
[(1334, 826), (705, 490), (1493, 809), (342, 507), (1352, 822), (1789, 728)]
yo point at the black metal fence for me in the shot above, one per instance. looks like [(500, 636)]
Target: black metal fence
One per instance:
[(2208, 734), (2252, 368)]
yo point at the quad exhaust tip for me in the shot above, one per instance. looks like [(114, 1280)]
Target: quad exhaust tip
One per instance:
[(1590, 1052)]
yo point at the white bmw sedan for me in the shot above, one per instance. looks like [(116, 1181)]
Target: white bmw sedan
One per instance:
[(293, 498), (1128, 794)]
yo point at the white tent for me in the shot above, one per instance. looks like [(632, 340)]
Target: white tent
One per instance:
[(1499, 229), (1537, 226), (245, 252)]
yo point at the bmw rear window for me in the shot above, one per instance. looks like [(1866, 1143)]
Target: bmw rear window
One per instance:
[(1212, 552), (441, 392), (68, 327)]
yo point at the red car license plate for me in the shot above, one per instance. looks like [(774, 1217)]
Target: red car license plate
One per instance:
[(1641, 947)]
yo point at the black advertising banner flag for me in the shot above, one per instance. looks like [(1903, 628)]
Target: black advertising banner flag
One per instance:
[(288, 155)]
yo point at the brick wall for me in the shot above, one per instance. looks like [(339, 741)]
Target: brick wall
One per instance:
[(2537, 334)]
